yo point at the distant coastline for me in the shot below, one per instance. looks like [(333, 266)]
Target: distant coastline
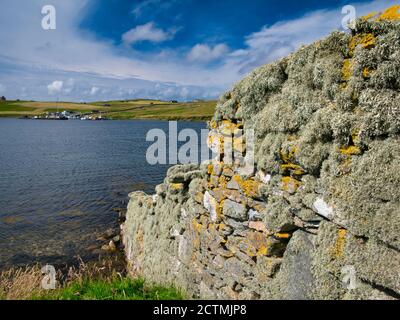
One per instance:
[(142, 109)]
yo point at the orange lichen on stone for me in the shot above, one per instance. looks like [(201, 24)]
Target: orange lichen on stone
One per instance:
[(282, 235), (350, 150), (256, 244), (221, 226), (197, 226), (227, 128), (177, 186), (370, 16), (249, 186), (392, 13), (288, 155), (366, 72), (222, 182), (290, 184), (365, 40), (339, 246), (346, 70), (295, 169), (368, 40), (288, 167), (263, 251), (215, 168), (219, 209)]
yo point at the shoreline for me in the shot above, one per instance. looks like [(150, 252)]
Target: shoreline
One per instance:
[(113, 110), (189, 119)]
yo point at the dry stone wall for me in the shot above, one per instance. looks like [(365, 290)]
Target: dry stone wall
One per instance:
[(319, 216)]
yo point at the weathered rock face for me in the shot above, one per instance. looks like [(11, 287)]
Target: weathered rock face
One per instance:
[(319, 216)]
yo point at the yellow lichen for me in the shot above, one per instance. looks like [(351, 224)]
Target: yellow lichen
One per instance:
[(263, 251), (219, 208), (366, 72), (346, 70), (249, 187), (211, 168), (365, 40), (370, 16), (288, 167), (282, 235), (339, 246), (256, 244), (288, 155), (292, 168), (221, 226), (177, 186), (350, 150), (197, 226), (222, 182), (391, 13), (290, 184), (227, 127)]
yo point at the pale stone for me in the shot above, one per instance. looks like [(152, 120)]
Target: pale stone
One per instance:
[(233, 185), (254, 215), (263, 177), (184, 213), (323, 208), (258, 225), (211, 206), (174, 232), (235, 210), (183, 249)]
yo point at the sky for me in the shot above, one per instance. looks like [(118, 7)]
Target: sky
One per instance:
[(159, 49)]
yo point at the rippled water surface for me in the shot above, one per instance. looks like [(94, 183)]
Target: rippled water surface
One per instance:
[(61, 180)]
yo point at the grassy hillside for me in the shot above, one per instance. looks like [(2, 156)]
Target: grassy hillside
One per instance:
[(126, 109)]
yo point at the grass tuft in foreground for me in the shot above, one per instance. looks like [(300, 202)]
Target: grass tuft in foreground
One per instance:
[(105, 279), (114, 289)]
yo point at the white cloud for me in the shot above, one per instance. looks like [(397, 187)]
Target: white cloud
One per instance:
[(2, 88), (280, 39), (204, 53), (94, 90), (39, 56), (55, 87), (147, 32)]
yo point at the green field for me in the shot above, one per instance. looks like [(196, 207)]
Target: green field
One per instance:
[(119, 110)]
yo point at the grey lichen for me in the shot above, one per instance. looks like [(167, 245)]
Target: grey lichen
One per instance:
[(324, 197)]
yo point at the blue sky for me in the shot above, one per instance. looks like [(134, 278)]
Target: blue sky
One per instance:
[(166, 49)]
